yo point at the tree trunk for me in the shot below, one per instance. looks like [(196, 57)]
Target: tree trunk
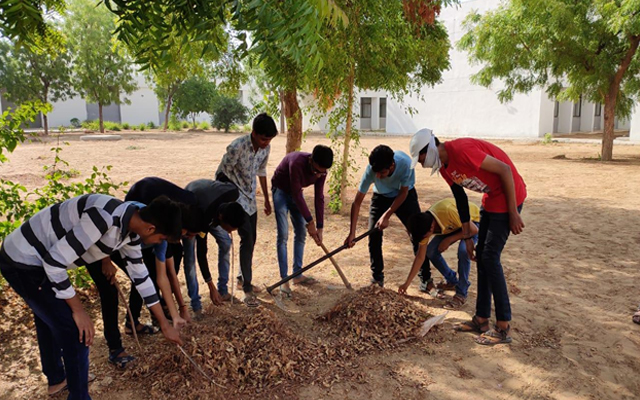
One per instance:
[(166, 113), (193, 119), (612, 97), (294, 120), (283, 128), (100, 118), (609, 125), (45, 124), (347, 140)]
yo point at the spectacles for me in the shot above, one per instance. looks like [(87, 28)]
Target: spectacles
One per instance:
[(314, 169)]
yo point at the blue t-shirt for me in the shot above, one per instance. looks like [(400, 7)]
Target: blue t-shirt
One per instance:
[(390, 186)]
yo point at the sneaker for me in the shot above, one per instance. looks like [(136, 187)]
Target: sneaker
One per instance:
[(427, 287), (377, 282)]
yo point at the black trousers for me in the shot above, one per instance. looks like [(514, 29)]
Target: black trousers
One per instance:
[(379, 205), (247, 233)]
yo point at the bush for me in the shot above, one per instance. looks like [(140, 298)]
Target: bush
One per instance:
[(174, 123), (142, 127), (151, 125), (204, 125), (126, 125), (112, 126), (91, 125), (134, 128), (246, 128), (185, 125), (75, 123), (226, 111)]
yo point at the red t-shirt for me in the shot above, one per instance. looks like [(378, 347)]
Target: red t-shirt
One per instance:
[(465, 157)]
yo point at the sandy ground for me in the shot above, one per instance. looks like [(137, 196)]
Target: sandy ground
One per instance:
[(572, 276)]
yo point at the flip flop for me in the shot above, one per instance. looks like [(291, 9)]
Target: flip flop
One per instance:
[(473, 326), (250, 300)]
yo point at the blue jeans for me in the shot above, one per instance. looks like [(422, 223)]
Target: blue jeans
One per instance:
[(492, 237), (464, 263), (283, 206), (56, 331), (224, 246)]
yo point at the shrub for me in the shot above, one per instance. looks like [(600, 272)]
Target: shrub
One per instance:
[(204, 125), (226, 111), (75, 123), (151, 125), (91, 125), (112, 126), (142, 127), (174, 124), (185, 125), (126, 125)]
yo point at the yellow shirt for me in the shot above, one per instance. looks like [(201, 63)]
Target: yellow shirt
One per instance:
[(446, 215)]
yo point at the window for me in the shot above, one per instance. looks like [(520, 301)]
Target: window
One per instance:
[(556, 109), (365, 107), (598, 112), (383, 107), (577, 108)]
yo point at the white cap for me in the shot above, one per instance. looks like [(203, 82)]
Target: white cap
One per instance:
[(419, 141)]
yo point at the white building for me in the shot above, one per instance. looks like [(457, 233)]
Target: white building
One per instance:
[(454, 107)]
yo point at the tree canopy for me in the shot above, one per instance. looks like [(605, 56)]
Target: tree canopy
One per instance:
[(571, 48)]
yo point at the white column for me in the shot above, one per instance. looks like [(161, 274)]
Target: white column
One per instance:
[(375, 113), (634, 130)]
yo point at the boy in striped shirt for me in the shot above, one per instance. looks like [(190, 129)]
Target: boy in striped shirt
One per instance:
[(35, 257)]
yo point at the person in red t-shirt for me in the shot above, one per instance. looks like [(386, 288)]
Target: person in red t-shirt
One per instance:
[(482, 167)]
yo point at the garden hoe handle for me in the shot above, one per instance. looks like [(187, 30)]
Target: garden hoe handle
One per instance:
[(338, 269), (318, 261)]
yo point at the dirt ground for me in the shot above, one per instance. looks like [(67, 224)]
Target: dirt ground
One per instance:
[(573, 277)]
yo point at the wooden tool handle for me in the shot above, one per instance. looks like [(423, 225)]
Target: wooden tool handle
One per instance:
[(335, 264)]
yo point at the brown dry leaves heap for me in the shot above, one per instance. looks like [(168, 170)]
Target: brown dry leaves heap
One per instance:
[(374, 318), (256, 351)]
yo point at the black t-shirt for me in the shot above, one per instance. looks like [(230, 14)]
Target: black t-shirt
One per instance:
[(147, 189)]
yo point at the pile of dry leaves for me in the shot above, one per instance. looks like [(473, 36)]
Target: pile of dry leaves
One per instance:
[(374, 318), (247, 351)]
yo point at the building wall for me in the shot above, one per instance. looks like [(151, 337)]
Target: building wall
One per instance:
[(144, 107), (64, 111)]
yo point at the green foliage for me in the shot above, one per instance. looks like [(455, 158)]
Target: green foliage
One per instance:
[(204, 125), (142, 127), (91, 125), (112, 126), (548, 138), (151, 125), (185, 124), (194, 96), (226, 111), (126, 125), (11, 123), (28, 75), (364, 54), (570, 48), (24, 22), (101, 70), (75, 123), (174, 124)]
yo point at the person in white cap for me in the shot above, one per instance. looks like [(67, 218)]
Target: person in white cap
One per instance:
[(482, 167)]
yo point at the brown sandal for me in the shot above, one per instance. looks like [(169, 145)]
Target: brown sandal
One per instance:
[(473, 326), (489, 338), (445, 286), (455, 303)]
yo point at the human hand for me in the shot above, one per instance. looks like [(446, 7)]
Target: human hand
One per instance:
[(403, 288), (170, 333), (515, 223), (216, 299), (184, 314), (109, 270), (382, 223), (267, 208), (85, 327), (349, 240), (179, 322), (471, 248)]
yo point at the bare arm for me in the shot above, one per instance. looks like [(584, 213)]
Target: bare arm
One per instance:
[(493, 165), (355, 212), (415, 268), (165, 289), (265, 192), (383, 222)]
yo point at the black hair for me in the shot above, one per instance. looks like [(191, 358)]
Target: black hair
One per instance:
[(425, 148), (193, 219), (419, 225), (381, 158), (165, 215), (264, 125), (323, 156), (232, 213)]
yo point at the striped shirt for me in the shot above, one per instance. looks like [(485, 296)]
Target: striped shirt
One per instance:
[(77, 232)]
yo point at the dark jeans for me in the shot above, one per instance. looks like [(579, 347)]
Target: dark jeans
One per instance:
[(492, 236), (247, 233), (56, 330), (109, 296), (379, 205)]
